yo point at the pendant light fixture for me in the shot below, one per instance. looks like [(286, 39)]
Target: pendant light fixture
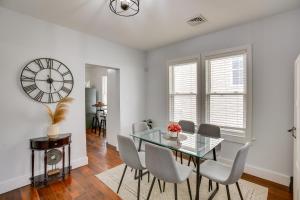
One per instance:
[(125, 8)]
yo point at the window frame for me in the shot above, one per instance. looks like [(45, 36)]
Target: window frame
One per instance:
[(228, 134), (186, 60)]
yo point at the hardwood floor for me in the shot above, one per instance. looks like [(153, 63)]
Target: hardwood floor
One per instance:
[(83, 184)]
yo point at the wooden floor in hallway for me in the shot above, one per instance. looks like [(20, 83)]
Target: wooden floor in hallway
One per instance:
[(82, 184)]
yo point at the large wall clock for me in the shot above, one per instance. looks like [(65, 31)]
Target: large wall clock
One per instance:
[(47, 80)]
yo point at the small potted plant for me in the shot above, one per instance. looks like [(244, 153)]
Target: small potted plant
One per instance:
[(57, 116), (174, 129), (149, 123)]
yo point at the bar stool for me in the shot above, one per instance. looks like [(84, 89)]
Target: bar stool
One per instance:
[(102, 124), (95, 122)]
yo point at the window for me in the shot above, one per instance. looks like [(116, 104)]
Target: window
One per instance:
[(220, 94), (227, 100), (237, 71), (183, 91)]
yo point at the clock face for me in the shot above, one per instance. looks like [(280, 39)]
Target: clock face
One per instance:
[(47, 80)]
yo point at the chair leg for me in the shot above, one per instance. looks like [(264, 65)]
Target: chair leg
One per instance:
[(194, 161), (175, 190), (176, 155), (139, 184), (100, 127), (181, 158), (164, 186), (189, 188), (104, 128), (239, 189), (122, 178), (209, 185), (148, 177), (214, 192), (93, 124), (159, 185), (135, 173), (140, 145), (97, 125), (190, 158), (151, 187), (228, 192)]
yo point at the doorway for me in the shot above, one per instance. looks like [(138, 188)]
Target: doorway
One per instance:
[(102, 101)]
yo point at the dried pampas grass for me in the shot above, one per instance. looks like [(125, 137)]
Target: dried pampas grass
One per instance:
[(61, 110)]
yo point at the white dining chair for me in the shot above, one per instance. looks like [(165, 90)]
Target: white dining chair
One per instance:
[(187, 127), (132, 158), (139, 127), (168, 170), (213, 131), (226, 175)]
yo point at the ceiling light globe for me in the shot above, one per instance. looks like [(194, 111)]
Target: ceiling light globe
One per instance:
[(124, 5)]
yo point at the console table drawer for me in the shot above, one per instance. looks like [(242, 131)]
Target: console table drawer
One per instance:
[(47, 143)]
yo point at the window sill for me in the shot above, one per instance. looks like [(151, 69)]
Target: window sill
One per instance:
[(233, 137)]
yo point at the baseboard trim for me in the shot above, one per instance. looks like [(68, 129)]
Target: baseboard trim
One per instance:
[(111, 146), (17, 182), (262, 173)]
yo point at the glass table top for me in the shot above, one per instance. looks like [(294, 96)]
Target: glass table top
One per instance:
[(189, 143)]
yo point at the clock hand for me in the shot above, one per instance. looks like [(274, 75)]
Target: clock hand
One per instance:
[(50, 87), (40, 80), (53, 86)]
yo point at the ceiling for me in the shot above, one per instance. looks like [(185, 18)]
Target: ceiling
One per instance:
[(160, 22)]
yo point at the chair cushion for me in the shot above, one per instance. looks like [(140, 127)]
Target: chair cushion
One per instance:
[(215, 171)]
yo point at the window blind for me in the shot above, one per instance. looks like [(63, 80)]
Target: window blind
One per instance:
[(226, 93), (183, 92)]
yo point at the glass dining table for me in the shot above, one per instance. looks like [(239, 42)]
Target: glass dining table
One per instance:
[(190, 144)]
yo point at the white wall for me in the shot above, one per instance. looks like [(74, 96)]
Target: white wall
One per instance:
[(276, 44), (24, 38), (113, 104), (94, 75)]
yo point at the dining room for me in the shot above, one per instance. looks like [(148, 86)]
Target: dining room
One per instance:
[(132, 99)]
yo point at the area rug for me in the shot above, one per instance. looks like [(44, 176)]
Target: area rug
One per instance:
[(128, 189)]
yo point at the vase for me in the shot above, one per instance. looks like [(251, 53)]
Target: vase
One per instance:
[(53, 131), (173, 134)]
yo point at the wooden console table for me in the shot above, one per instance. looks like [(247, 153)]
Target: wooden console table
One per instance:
[(45, 144)]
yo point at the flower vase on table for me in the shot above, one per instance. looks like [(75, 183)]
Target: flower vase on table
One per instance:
[(57, 116), (174, 130)]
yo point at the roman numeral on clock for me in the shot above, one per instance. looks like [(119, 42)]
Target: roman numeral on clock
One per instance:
[(50, 63), (39, 96), (66, 73), (30, 88), (66, 90), (59, 95), (27, 79), (29, 70), (68, 81), (50, 98), (39, 63)]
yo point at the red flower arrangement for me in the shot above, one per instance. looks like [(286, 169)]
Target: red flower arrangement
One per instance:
[(174, 127)]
